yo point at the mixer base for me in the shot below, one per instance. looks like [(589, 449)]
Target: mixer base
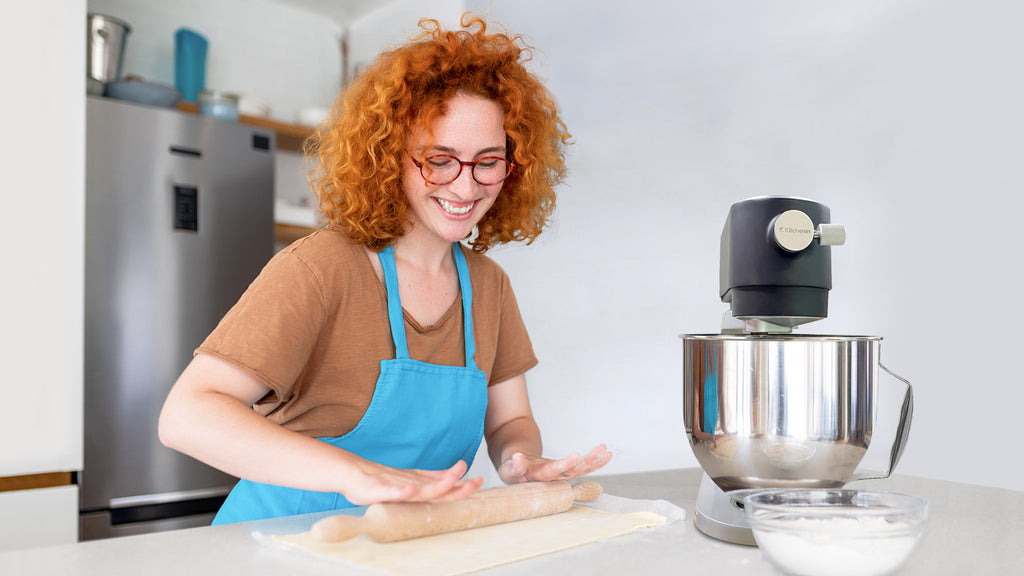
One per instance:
[(718, 514)]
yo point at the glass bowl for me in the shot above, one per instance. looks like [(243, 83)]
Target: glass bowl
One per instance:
[(836, 532)]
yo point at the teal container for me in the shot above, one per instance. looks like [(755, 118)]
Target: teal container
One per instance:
[(189, 63)]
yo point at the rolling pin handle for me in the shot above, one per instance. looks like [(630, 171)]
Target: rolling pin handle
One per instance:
[(337, 528), (586, 491)]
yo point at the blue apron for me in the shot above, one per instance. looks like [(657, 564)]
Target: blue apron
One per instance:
[(424, 416)]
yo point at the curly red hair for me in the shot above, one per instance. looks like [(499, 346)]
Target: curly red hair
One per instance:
[(359, 150)]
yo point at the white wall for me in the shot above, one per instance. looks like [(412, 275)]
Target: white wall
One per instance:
[(286, 56), (394, 23), (903, 116)]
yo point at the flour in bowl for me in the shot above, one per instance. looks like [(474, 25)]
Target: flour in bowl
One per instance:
[(869, 546)]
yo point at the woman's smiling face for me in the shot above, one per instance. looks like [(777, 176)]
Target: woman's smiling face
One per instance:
[(472, 128)]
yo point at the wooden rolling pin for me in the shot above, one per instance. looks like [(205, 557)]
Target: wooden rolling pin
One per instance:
[(390, 522)]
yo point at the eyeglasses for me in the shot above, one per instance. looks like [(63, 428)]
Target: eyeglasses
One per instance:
[(441, 169)]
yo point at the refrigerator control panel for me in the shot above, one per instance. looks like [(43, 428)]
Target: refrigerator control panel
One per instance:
[(186, 208)]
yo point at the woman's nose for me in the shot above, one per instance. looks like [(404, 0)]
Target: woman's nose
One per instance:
[(464, 185)]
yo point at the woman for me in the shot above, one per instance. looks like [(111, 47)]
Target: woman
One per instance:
[(369, 359)]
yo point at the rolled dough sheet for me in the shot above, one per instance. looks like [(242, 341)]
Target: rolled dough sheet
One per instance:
[(479, 548)]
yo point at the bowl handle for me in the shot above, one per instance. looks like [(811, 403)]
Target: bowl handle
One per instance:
[(902, 429)]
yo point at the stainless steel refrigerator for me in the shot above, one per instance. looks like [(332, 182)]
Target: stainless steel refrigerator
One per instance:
[(179, 221)]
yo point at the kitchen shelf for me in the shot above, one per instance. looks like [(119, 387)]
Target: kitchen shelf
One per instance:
[(289, 136)]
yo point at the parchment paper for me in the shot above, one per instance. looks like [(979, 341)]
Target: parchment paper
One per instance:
[(472, 550)]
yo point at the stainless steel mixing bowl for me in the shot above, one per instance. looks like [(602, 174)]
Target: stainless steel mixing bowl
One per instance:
[(784, 411)]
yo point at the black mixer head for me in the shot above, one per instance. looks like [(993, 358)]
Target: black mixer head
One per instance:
[(776, 260)]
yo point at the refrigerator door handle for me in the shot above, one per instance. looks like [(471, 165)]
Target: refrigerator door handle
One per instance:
[(167, 497), (185, 151)]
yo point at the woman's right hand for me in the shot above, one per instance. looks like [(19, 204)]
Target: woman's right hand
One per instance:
[(370, 483)]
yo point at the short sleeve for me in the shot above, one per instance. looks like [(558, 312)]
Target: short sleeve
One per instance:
[(272, 329), (514, 351)]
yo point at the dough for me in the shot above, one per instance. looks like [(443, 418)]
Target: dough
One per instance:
[(479, 548)]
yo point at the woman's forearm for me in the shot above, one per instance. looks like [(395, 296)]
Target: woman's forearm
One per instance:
[(517, 435), (223, 432)]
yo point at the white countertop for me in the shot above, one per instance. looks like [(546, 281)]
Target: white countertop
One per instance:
[(973, 530)]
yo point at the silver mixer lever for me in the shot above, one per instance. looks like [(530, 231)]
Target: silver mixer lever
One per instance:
[(830, 234)]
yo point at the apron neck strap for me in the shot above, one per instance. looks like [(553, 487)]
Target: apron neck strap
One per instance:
[(467, 304), (396, 317)]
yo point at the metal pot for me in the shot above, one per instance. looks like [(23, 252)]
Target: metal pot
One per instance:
[(104, 50), (784, 411)]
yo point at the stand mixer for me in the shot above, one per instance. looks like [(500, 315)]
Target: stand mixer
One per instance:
[(765, 408)]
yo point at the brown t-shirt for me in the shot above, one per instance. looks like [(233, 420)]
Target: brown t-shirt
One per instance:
[(314, 327)]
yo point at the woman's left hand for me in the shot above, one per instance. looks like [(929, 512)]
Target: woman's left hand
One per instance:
[(523, 468)]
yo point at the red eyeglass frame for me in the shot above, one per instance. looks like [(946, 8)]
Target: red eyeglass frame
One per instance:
[(472, 168)]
